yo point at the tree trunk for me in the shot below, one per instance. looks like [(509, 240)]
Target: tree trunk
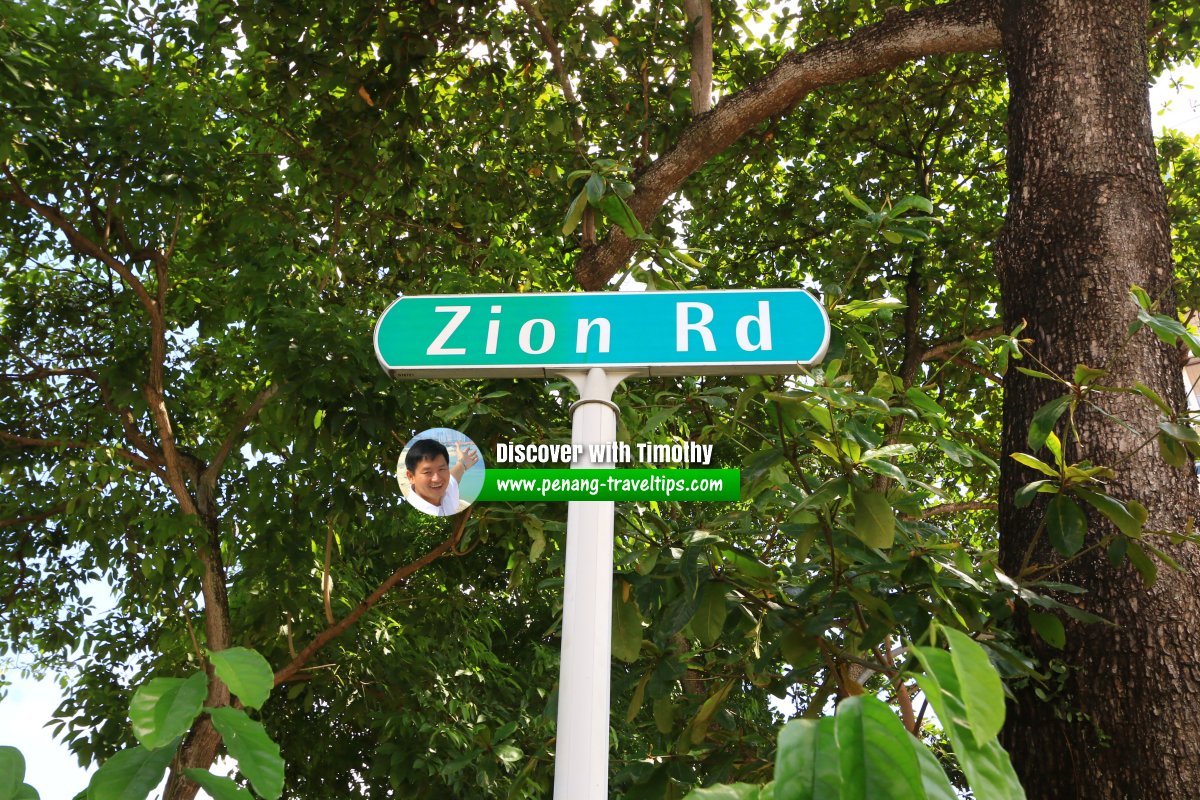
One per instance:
[(203, 742), (1087, 218)]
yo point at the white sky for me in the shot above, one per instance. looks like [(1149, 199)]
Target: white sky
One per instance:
[(54, 772)]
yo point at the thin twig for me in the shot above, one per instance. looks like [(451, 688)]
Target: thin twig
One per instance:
[(236, 431), (333, 631), (560, 69)]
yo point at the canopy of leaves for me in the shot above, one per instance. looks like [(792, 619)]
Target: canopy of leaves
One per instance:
[(273, 174)]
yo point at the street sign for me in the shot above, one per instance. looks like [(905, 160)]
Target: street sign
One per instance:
[(723, 332), (596, 340)]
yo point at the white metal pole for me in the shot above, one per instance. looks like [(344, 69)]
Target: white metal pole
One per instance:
[(581, 752)]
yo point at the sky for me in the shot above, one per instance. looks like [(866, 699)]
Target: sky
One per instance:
[(54, 771)]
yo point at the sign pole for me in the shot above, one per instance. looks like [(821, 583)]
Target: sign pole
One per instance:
[(581, 751)]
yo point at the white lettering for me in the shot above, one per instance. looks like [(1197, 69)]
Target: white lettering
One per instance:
[(537, 453), (763, 321), (527, 333), (437, 348), (493, 333), (585, 327), (683, 327)]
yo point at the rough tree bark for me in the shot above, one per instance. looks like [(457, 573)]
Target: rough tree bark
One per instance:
[(1087, 218), (699, 14)]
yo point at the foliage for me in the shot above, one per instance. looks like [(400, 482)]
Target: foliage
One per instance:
[(864, 751), (12, 776), (164, 709), (273, 174)]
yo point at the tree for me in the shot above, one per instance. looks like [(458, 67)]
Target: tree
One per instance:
[(1086, 219), (203, 210)]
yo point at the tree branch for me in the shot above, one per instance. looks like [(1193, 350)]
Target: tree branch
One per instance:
[(954, 508), (133, 434), (560, 69), (958, 27), (946, 348), (699, 14), (133, 458), (326, 581), (333, 631), (38, 517), (235, 433), (77, 240)]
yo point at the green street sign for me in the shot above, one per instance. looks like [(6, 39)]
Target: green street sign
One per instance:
[(738, 331)]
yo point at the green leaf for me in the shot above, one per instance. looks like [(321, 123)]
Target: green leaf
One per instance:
[(1055, 447), (1116, 550), (732, 791), (1049, 627), (874, 521), (318, 418), (861, 308), (163, 709), (26, 792), (1066, 525), (639, 695), (698, 728), (747, 565), (1033, 373), (220, 787), (983, 692), (1140, 297), (664, 715), (711, 611), (131, 774), (247, 741), (859, 204), (594, 188), (891, 451), (626, 628), (911, 201), (933, 778), (245, 672), (956, 452), (12, 772), (1153, 396), (887, 469), (1035, 463), (1026, 493), (829, 491), (619, 212), (576, 175), (1044, 420), (1173, 452), (1086, 376), (876, 760), (1142, 563), (924, 402), (1116, 511), (902, 232), (1184, 433), (988, 768), (508, 753), (797, 646), (1169, 330), (574, 213), (806, 762)]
